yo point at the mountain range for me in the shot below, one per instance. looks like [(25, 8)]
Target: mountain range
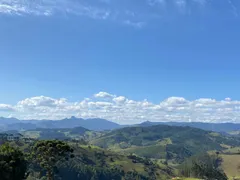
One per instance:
[(97, 124)]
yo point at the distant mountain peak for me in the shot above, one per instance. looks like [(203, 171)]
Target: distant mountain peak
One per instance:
[(73, 117), (146, 122)]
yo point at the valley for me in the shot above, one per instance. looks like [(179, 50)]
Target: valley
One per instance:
[(146, 152)]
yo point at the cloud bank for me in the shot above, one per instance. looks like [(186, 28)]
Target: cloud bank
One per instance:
[(123, 110)]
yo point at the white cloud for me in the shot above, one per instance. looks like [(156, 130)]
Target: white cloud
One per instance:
[(119, 99), (41, 101), (6, 107), (174, 101), (103, 95), (126, 111), (228, 99)]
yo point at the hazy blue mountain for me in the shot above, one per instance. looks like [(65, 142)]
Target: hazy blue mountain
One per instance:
[(98, 124), (20, 126), (91, 124), (5, 121)]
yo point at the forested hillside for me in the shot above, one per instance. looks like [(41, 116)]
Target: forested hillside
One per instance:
[(70, 160), (165, 142), (152, 152)]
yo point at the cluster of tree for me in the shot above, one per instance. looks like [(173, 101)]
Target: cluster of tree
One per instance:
[(203, 166), (76, 170), (14, 164), (72, 170), (55, 160)]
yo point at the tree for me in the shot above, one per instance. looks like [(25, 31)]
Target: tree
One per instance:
[(203, 166), (48, 153), (207, 166), (12, 163)]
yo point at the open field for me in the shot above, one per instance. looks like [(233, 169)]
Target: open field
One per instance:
[(234, 150), (231, 165)]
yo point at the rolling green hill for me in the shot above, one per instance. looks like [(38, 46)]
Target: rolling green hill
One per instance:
[(138, 152), (164, 142)]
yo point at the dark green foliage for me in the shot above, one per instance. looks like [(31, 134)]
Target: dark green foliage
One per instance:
[(203, 166), (80, 171), (76, 171), (48, 153), (13, 165), (136, 176)]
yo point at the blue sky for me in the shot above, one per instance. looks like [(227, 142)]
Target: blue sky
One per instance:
[(137, 49)]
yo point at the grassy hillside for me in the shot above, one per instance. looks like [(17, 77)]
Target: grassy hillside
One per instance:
[(231, 165), (232, 150), (231, 162), (235, 133), (166, 142)]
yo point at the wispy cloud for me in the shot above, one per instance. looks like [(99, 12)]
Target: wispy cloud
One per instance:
[(51, 7), (201, 2), (131, 13), (234, 8), (156, 2), (134, 24), (125, 110), (177, 3)]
